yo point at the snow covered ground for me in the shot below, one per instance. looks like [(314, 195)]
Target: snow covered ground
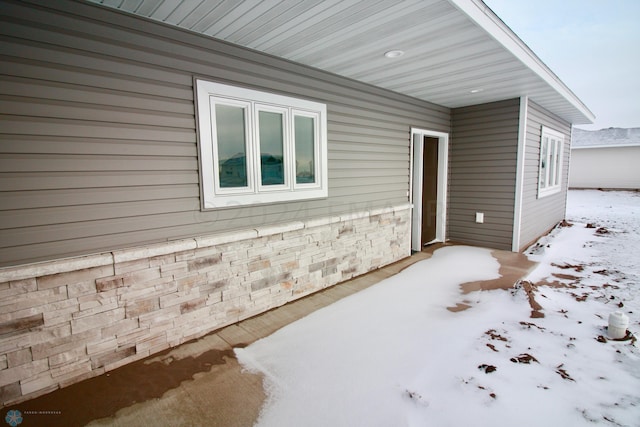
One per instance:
[(393, 355)]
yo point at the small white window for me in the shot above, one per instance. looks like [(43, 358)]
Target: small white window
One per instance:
[(257, 147), (551, 153)]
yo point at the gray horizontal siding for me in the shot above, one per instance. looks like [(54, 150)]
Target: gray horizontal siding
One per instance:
[(482, 173), (98, 134), (540, 215)]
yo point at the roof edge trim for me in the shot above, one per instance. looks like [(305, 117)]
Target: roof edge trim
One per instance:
[(482, 14)]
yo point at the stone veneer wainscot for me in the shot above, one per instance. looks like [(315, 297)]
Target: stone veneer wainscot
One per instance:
[(67, 320)]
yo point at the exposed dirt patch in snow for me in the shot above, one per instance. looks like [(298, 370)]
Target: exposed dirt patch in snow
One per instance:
[(524, 358), (529, 289)]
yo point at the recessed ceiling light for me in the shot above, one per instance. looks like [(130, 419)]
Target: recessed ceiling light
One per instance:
[(394, 54), (476, 90)]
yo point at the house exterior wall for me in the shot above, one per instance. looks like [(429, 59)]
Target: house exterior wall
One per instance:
[(105, 254), (614, 167), (482, 171), (98, 133), (539, 215)]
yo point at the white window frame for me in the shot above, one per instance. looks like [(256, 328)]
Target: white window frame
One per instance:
[(287, 145), (208, 94), (317, 149), (248, 147), (553, 161)]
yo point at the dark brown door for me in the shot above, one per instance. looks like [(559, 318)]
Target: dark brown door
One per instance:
[(429, 189)]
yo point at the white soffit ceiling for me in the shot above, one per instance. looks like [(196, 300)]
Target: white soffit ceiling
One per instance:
[(456, 52)]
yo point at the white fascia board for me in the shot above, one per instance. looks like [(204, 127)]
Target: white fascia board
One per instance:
[(481, 14)]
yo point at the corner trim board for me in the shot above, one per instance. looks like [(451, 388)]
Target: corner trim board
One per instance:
[(520, 162)]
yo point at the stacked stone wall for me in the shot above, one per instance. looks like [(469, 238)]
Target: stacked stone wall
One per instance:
[(67, 320)]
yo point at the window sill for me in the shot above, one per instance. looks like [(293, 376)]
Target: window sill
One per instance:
[(542, 193), (237, 200)]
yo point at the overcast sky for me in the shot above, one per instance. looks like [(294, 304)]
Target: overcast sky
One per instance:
[(592, 45)]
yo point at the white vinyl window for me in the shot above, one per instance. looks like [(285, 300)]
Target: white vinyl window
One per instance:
[(257, 147), (550, 171)]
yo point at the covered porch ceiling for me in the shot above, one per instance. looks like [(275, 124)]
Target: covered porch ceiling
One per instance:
[(453, 53)]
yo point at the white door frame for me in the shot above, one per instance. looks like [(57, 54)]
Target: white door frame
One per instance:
[(415, 184)]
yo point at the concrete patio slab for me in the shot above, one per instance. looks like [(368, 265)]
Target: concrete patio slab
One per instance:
[(200, 383)]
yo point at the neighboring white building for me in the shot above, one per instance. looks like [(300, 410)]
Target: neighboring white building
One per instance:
[(607, 159)]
